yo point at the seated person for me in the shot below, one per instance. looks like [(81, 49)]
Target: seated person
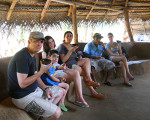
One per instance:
[(26, 88), (81, 66), (94, 51), (115, 55), (70, 75), (50, 79)]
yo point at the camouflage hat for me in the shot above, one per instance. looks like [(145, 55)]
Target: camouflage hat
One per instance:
[(97, 35), (36, 35)]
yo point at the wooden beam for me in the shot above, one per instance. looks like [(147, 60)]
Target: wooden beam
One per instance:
[(140, 4), (69, 11), (44, 9), (126, 3), (112, 2), (74, 24), (127, 24), (84, 4), (91, 9), (11, 9)]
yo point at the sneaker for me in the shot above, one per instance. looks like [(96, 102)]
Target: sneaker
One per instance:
[(61, 113), (63, 107)]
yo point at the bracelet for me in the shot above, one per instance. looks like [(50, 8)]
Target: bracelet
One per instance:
[(46, 88)]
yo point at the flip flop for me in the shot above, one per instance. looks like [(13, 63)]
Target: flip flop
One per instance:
[(128, 84), (81, 104), (131, 78)]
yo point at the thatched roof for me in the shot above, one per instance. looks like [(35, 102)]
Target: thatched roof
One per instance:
[(28, 12)]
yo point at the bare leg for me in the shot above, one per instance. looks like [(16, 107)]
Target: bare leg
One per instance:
[(124, 60), (73, 75), (86, 67), (66, 87), (85, 70), (108, 74), (58, 97), (93, 74), (55, 116), (124, 72)]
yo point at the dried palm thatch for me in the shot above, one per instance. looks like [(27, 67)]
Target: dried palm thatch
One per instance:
[(46, 13)]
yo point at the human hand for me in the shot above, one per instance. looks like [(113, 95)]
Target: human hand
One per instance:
[(80, 57), (44, 68), (102, 44), (63, 66), (73, 48), (49, 94), (98, 57), (62, 79)]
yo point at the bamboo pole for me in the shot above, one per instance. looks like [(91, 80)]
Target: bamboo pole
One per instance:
[(69, 11), (112, 2), (74, 24), (11, 9), (127, 24), (91, 9), (85, 4), (44, 9)]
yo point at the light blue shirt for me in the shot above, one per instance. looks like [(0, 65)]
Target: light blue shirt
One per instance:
[(93, 50)]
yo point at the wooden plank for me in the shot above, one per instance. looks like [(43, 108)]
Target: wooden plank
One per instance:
[(91, 10), (44, 9), (11, 9), (69, 11), (74, 24), (85, 4)]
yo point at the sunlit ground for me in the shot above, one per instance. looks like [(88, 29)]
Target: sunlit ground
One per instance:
[(9, 45)]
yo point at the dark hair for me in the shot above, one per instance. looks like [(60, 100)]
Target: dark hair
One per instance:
[(51, 52), (66, 33), (46, 44), (110, 34)]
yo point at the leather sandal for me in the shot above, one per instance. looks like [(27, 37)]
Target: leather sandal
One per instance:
[(92, 83), (98, 96)]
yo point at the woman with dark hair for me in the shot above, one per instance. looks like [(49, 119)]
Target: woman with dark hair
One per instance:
[(69, 75), (48, 44), (82, 65), (115, 55)]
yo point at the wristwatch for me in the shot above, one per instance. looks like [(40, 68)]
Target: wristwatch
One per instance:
[(46, 88)]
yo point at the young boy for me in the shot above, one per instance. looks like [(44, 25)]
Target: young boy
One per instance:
[(52, 77)]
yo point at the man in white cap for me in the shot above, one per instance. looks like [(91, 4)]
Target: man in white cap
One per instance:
[(25, 86), (94, 51)]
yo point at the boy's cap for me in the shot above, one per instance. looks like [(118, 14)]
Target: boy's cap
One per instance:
[(36, 35), (97, 35)]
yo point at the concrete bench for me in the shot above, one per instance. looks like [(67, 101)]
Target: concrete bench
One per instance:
[(141, 65)]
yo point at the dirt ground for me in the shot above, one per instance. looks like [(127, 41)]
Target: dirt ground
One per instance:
[(121, 102)]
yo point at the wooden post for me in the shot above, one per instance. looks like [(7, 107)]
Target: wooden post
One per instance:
[(126, 15), (74, 24)]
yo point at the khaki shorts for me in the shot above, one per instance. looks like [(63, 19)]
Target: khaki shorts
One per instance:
[(37, 102), (59, 73), (102, 64)]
